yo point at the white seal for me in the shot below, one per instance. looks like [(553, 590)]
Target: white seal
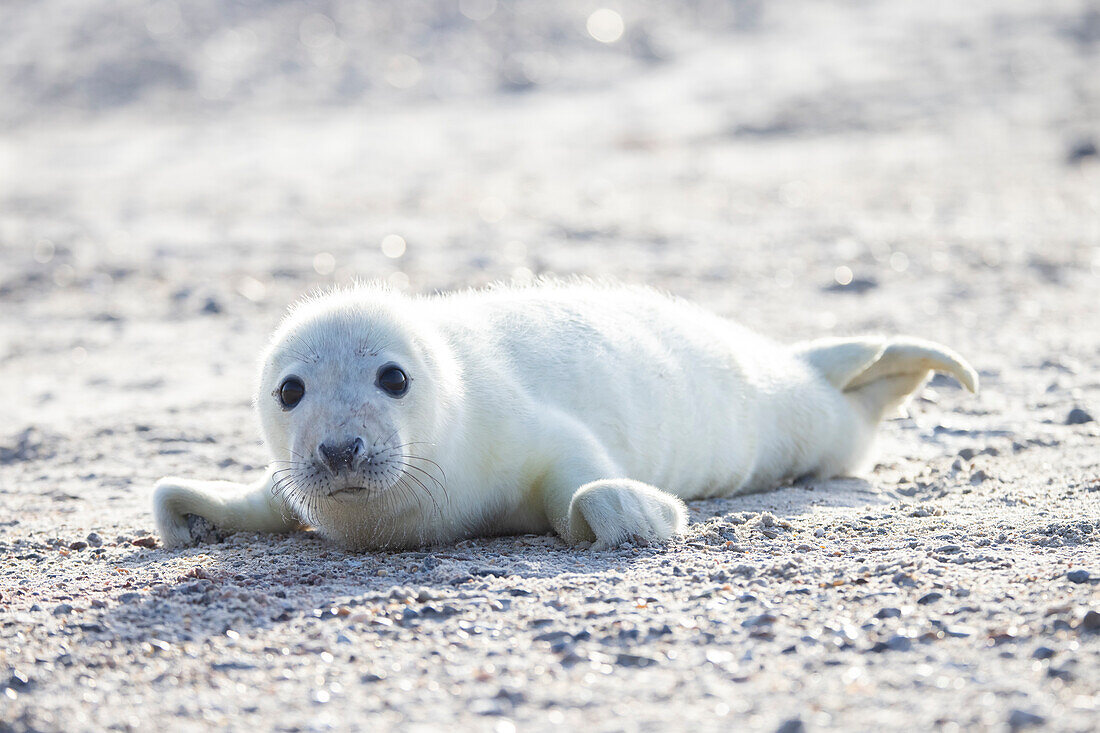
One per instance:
[(592, 411)]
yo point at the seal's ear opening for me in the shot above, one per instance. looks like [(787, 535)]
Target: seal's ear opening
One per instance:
[(880, 373)]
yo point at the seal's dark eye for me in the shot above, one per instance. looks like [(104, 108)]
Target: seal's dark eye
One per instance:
[(291, 392), (393, 380)]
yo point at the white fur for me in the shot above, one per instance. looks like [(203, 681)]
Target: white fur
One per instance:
[(590, 410)]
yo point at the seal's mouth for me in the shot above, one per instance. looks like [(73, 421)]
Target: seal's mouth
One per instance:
[(348, 490)]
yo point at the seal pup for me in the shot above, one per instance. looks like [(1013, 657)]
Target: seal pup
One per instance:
[(589, 410)]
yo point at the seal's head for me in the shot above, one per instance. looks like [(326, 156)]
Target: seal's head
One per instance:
[(353, 395)]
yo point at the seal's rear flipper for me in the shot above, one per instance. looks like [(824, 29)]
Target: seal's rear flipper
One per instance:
[(881, 373)]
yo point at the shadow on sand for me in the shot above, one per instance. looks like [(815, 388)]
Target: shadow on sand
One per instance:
[(254, 581)]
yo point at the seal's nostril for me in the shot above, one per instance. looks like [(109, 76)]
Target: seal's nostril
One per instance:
[(328, 457)]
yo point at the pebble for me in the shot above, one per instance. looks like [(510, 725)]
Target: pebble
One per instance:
[(94, 539), (511, 695), (856, 286), (18, 681), (62, 609), (1091, 621), (794, 725), (879, 647), (130, 597), (1043, 652), (1077, 416), (958, 632), (719, 656), (78, 545), (554, 636), (400, 593), (764, 619), (888, 612), (899, 643), (1023, 719), (493, 572), (634, 660), (929, 598), (447, 610), (1065, 672), (904, 579), (1078, 576), (1081, 150)]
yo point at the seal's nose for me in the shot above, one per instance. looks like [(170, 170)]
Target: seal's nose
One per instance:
[(342, 457)]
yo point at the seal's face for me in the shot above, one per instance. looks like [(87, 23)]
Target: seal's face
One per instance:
[(345, 402)]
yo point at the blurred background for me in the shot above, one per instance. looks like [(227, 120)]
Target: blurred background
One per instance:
[(173, 174)]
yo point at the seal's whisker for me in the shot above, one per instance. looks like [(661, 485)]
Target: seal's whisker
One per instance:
[(388, 502), (407, 491), (288, 469), (426, 460), (309, 347), (278, 489), (427, 475), (413, 466), (281, 488), (299, 455), (388, 439), (311, 505), (436, 481), (417, 495), (296, 354), (425, 488)]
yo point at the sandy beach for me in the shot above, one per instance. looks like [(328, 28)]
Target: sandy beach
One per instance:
[(173, 176)]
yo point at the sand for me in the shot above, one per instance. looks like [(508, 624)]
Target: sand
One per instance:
[(172, 177)]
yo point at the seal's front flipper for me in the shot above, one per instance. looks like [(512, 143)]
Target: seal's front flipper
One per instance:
[(189, 512), (881, 373), (583, 504), (612, 512)]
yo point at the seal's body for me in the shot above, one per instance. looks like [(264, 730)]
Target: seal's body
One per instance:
[(589, 410)]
